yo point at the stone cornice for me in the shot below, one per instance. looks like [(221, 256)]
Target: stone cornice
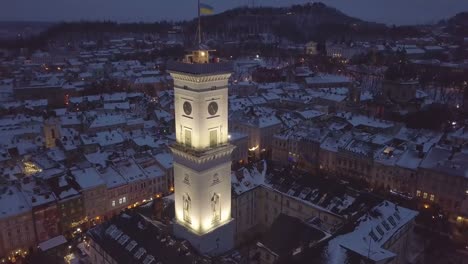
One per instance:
[(198, 78), (201, 90), (201, 159)]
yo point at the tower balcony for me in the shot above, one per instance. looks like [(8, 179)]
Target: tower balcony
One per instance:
[(202, 159), (197, 152), (199, 68)]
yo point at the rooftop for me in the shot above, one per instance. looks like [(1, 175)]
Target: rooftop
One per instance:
[(12, 202), (246, 179), (327, 78), (130, 238), (446, 161), (87, 178), (288, 235), (372, 231), (165, 160)]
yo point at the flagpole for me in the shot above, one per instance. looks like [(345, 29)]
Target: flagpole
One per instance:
[(199, 24)]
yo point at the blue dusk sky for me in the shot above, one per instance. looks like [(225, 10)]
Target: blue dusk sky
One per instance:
[(384, 11)]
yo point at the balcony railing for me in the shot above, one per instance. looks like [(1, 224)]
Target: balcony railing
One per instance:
[(198, 152), (199, 68)]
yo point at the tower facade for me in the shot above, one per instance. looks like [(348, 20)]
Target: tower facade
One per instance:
[(202, 154), (51, 130)]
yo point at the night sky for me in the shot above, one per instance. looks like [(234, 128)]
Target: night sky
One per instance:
[(385, 11)]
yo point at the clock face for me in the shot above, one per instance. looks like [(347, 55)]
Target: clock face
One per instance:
[(212, 108), (187, 108)]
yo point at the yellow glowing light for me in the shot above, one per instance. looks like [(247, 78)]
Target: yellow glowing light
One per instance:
[(459, 218), (426, 206), (30, 168), (207, 224), (253, 148), (202, 53)]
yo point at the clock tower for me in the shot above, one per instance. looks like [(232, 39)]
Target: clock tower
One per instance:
[(202, 153)]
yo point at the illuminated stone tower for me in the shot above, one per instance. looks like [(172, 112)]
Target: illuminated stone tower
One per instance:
[(51, 130), (202, 154)]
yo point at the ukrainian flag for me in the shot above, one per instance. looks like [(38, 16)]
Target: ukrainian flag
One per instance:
[(206, 9)]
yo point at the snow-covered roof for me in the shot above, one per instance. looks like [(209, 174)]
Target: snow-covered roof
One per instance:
[(426, 138), (98, 158), (257, 100), (12, 202), (163, 115), (270, 96), (117, 105), (112, 178), (165, 160), (245, 179), (108, 120), (461, 133), (371, 233), (309, 114), (434, 48), (447, 162), (149, 80), (130, 170), (147, 140), (52, 243), (69, 120), (362, 120), (410, 159), (239, 104), (87, 178), (327, 79), (388, 155), (153, 171), (415, 51), (335, 141), (37, 194), (103, 139), (261, 117)]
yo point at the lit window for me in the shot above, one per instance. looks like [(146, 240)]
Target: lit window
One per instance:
[(425, 195), (120, 200), (124, 199), (418, 193), (113, 203), (432, 197)]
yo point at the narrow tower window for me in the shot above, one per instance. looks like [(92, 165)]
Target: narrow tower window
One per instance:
[(188, 138), (213, 138)]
